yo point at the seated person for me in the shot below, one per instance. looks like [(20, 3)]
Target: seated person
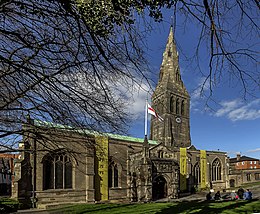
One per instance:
[(240, 193), (233, 196), (217, 196), (208, 196), (248, 195)]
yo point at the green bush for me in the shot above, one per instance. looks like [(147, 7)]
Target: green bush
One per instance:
[(8, 205)]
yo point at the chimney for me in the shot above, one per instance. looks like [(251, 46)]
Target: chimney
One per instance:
[(238, 156)]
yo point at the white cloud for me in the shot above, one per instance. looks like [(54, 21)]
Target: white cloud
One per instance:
[(130, 92), (227, 107), (237, 110), (254, 150), (137, 100), (203, 88), (133, 94)]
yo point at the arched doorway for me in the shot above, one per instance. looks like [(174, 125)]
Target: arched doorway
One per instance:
[(232, 183), (159, 188)]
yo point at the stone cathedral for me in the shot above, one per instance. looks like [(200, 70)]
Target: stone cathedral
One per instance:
[(119, 168)]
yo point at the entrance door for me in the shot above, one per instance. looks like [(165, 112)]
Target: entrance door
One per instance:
[(159, 188)]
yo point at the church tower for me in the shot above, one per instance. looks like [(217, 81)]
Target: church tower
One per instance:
[(171, 101)]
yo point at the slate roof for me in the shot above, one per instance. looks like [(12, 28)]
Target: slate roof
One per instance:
[(242, 158)]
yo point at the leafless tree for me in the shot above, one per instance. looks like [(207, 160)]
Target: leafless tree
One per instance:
[(66, 62), (230, 32)]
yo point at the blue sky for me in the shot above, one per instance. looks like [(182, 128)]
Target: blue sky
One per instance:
[(229, 122)]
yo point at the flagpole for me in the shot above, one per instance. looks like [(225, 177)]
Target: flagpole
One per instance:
[(145, 120)]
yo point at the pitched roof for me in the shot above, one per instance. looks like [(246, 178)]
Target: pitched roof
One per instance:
[(242, 158), (87, 131)]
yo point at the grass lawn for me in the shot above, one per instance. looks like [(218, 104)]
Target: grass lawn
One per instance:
[(165, 208)]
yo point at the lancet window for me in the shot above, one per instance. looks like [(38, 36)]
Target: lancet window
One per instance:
[(216, 170), (113, 178), (177, 106), (197, 173), (182, 107), (171, 104)]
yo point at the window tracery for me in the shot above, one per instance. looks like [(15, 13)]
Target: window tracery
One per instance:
[(216, 170), (57, 171), (113, 175)]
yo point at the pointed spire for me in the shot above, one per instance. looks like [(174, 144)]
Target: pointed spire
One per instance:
[(170, 54), (170, 70)]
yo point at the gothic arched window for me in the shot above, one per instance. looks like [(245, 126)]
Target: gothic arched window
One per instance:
[(171, 104), (196, 173), (57, 171), (113, 178), (177, 106), (182, 107), (216, 170)]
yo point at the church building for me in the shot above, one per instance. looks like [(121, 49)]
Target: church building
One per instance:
[(62, 164)]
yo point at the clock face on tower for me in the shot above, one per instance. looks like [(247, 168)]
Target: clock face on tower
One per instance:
[(178, 120)]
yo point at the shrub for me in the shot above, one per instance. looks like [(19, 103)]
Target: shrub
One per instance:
[(8, 205)]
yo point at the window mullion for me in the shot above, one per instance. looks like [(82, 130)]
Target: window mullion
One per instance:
[(54, 173), (63, 172), (113, 175)]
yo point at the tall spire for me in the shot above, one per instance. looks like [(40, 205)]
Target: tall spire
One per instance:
[(170, 63), (170, 53), (172, 101)]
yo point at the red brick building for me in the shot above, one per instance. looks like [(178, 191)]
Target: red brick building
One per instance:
[(243, 169), (6, 173), (244, 162)]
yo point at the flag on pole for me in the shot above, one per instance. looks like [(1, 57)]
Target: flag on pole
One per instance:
[(153, 112), (150, 110)]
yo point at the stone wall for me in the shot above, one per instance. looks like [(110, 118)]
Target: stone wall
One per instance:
[(239, 177), (133, 160)]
